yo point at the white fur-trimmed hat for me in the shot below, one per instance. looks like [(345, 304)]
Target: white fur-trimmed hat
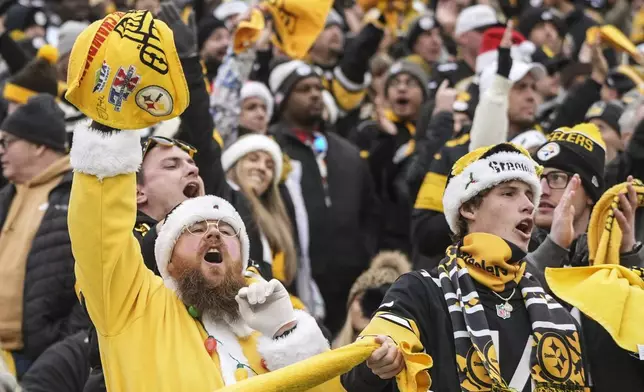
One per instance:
[(259, 90), (485, 168), (249, 143), (187, 213)]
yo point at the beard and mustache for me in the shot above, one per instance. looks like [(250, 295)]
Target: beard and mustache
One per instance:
[(215, 300)]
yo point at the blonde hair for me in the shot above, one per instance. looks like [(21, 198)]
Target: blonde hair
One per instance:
[(270, 215)]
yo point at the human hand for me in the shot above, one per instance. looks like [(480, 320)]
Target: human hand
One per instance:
[(386, 361), (625, 216), (386, 125), (598, 61), (445, 97), (266, 307), (506, 40), (562, 231)]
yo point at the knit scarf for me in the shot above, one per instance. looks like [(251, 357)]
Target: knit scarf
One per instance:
[(556, 361), (606, 292)]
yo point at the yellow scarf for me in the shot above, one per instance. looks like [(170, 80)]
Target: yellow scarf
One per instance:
[(486, 258), (411, 128), (296, 25), (323, 370), (606, 292)]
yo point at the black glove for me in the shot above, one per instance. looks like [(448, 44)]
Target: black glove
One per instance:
[(185, 35)]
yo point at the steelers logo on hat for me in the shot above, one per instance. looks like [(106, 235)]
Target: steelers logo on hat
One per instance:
[(304, 70), (548, 151), (155, 100)]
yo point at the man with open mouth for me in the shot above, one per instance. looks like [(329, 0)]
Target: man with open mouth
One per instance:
[(484, 319), (198, 327), (572, 183)]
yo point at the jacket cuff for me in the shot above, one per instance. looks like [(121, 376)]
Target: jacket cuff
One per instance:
[(305, 341), (633, 259), (103, 154)]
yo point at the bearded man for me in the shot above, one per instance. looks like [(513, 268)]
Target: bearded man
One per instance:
[(195, 328)]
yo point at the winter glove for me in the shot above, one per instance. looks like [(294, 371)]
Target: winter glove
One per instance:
[(185, 35), (265, 306)]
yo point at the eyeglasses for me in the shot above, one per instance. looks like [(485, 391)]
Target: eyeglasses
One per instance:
[(202, 225), (167, 142), (557, 179), (5, 142)]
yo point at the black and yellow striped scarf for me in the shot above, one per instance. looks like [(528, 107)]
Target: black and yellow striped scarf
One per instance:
[(488, 259)]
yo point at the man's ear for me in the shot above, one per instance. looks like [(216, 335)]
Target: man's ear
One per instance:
[(172, 268), (141, 197), (467, 211)]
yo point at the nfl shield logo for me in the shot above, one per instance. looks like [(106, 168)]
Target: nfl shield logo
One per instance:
[(122, 86)]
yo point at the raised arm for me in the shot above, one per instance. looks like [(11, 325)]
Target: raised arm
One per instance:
[(109, 268)]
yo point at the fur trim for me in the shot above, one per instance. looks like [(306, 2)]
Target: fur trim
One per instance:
[(259, 90), (253, 142), (105, 155), (187, 213), (391, 259), (305, 341), (485, 174)]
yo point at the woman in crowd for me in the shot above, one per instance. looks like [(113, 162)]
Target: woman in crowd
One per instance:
[(253, 166)]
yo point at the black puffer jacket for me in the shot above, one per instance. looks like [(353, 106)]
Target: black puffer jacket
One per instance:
[(51, 310)]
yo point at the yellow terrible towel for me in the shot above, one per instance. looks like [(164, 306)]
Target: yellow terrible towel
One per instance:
[(604, 234), (321, 372), (393, 10), (296, 25), (606, 292), (615, 38)]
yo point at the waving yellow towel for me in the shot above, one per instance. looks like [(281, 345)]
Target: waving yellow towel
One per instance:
[(323, 371), (606, 292), (296, 25)]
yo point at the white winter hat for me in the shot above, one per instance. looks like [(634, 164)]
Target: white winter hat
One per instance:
[(190, 212), (230, 8), (249, 143), (259, 90), (518, 71), (475, 17), (485, 168)]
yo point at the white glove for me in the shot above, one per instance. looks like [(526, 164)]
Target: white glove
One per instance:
[(265, 306)]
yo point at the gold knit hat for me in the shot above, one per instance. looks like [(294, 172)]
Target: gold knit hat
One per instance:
[(124, 72)]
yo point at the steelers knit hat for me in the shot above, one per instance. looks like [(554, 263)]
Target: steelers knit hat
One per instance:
[(250, 143), (37, 76), (485, 168), (579, 150), (411, 69), (188, 213), (125, 73), (285, 76)]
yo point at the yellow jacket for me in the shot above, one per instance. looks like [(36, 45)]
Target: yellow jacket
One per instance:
[(148, 340)]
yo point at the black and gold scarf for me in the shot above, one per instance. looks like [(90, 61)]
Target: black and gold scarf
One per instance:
[(556, 361)]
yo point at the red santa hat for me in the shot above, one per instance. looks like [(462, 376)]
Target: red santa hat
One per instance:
[(521, 49)]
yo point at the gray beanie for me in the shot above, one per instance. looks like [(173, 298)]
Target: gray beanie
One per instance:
[(39, 121), (412, 69), (67, 35)]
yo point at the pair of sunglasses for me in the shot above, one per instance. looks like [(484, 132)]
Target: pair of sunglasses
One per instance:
[(167, 142)]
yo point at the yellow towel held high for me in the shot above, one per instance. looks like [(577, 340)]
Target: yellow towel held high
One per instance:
[(393, 10), (296, 25), (321, 372), (615, 38), (606, 292)]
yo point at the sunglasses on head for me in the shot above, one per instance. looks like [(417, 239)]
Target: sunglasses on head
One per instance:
[(167, 142)]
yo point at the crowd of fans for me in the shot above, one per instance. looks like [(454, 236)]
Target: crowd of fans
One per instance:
[(341, 162)]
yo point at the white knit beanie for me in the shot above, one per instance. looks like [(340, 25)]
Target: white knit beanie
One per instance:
[(190, 212), (485, 168), (259, 90), (249, 143)]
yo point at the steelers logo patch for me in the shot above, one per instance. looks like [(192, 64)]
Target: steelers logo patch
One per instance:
[(476, 371), (548, 151), (554, 357), (155, 100)]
